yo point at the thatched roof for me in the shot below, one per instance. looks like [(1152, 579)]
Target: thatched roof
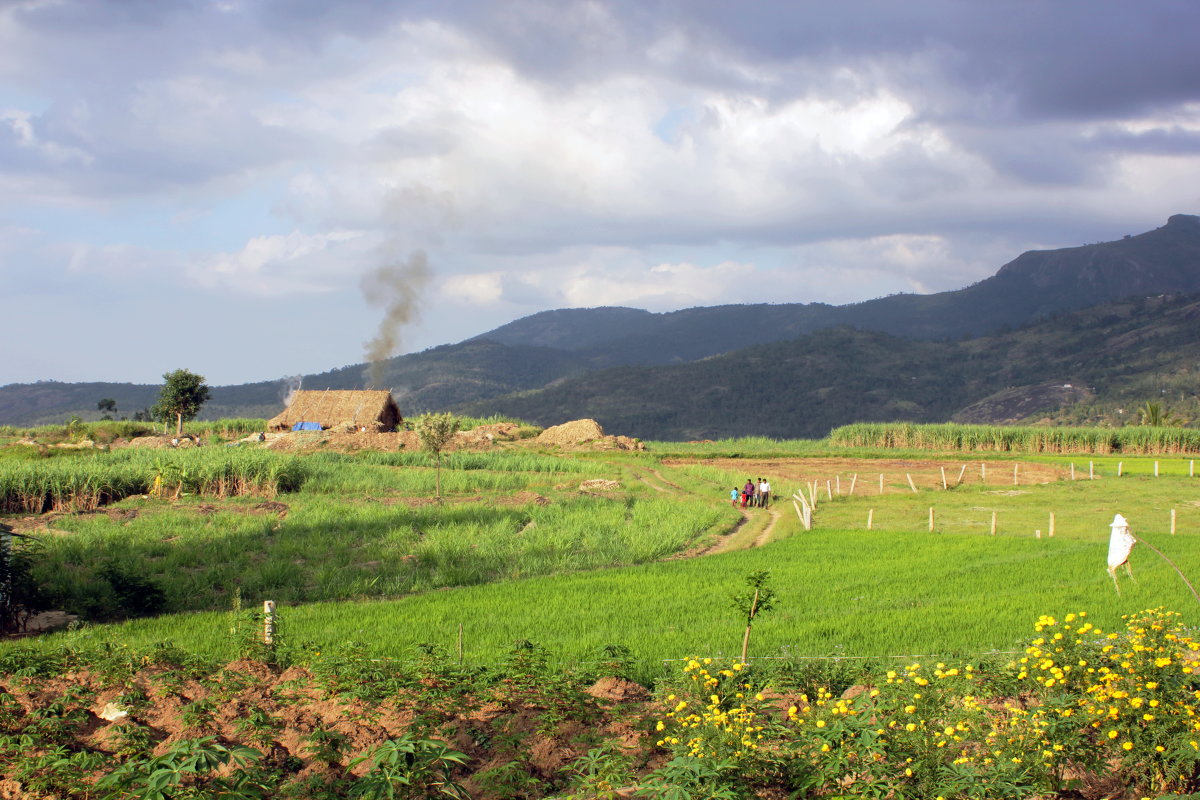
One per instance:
[(376, 410)]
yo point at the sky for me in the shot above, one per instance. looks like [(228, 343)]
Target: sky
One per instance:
[(220, 185)]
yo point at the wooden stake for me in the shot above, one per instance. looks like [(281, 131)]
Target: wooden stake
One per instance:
[(1015, 466), (1120, 468), (945, 485), (829, 489), (838, 478), (812, 494), (870, 517), (1072, 470), (983, 471), (1051, 523), (1172, 522), (853, 481), (910, 482), (1091, 470), (269, 622), (1156, 469), (961, 473), (881, 483), (931, 519), (1037, 534), (1192, 468), (993, 523)]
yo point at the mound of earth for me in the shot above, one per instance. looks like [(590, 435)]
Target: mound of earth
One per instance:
[(160, 442)]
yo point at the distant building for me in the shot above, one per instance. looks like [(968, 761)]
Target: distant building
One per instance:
[(370, 409)]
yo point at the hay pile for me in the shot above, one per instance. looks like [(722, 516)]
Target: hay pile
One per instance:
[(598, 484), (161, 442), (571, 434), (585, 433)]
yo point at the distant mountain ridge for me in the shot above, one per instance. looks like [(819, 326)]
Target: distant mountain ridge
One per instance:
[(564, 345)]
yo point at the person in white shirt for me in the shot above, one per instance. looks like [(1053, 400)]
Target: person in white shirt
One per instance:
[(764, 492)]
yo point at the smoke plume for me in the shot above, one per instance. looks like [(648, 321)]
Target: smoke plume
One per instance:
[(289, 385), (397, 289)]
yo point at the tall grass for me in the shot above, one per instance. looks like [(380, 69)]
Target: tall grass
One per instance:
[(85, 483), (1018, 439)]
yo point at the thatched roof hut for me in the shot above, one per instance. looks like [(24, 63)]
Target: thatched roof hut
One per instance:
[(374, 410)]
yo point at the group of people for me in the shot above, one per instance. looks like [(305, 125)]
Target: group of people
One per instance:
[(752, 494)]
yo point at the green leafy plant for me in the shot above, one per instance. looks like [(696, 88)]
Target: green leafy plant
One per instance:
[(757, 599), (171, 774), (406, 767), (326, 746), (435, 432)]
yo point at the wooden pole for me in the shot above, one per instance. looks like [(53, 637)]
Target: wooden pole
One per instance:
[(931, 519), (993, 523), (829, 489), (1192, 468), (853, 481), (1172, 522), (983, 471), (870, 517), (1051, 532), (838, 478), (269, 622), (1015, 466), (961, 473), (910, 483), (1091, 470), (1120, 468), (1072, 470), (881, 483), (945, 485), (812, 494), (1037, 534), (1156, 469)]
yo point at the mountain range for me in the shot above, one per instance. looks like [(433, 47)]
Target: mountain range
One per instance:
[(1046, 319)]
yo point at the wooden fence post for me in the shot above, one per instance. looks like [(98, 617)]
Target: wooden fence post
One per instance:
[(1051, 531), (910, 482), (993, 523), (838, 479), (1156, 469), (983, 471), (1015, 466), (945, 485), (931, 519), (1091, 470), (870, 517), (1072, 470), (1172, 522), (881, 483), (1120, 468), (853, 481), (961, 473), (829, 489)]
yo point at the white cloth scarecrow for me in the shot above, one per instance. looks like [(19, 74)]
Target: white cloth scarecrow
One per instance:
[(1120, 545)]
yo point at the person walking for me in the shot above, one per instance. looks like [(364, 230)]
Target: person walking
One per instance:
[(764, 492), (747, 492), (733, 496)]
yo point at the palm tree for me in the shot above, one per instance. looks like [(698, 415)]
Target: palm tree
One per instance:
[(1158, 416)]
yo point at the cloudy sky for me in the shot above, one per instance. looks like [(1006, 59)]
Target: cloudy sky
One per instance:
[(211, 184)]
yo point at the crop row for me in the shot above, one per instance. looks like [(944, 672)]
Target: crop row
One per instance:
[(81, 484), (1144, 440)]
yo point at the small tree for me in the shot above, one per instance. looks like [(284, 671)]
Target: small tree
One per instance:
[(435, 431), (180, 398), (20, 596), (757, 598), (108, 406)]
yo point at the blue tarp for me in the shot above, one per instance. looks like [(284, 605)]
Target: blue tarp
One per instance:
[(307, 426)]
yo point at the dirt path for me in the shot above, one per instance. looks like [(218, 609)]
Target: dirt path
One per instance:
[(737, 538)]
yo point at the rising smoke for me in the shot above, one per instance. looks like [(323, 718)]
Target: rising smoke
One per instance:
[(289, 385), (397, 289)]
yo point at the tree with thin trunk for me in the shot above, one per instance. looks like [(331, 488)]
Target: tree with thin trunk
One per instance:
[(757, 599), (181, 397), (435, 431)]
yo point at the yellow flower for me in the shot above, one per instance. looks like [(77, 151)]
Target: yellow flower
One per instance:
[(1127, 745)]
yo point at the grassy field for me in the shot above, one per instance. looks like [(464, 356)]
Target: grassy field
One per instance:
[(536, 559)]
